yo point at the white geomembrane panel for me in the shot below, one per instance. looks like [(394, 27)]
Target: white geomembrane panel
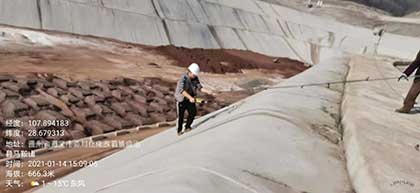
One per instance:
[(177, 10), (136, 6), (262, 145), (192, 35), (228, 38), (219, 15)]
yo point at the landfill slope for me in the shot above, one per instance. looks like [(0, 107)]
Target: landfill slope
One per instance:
[(337, 138), (253, 25), (380, 144), (261, 144)]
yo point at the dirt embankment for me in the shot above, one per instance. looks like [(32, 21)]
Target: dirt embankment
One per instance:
[(230, 61)]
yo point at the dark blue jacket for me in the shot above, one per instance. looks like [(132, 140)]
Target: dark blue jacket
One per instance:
[(415, 65)]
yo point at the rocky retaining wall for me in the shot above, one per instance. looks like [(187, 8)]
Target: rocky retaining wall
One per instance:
[(91, 107)]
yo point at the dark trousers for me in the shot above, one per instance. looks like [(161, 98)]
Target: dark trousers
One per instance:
[(192, 111), (412, 95)]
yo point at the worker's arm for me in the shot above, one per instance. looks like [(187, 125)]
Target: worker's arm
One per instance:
[(413, 66), (197, 83), (188, 96), (199, 86)]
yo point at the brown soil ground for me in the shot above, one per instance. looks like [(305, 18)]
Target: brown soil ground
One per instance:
[(136, 62), (230, 61)]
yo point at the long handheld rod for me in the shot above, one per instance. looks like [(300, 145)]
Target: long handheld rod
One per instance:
[(367, 79)]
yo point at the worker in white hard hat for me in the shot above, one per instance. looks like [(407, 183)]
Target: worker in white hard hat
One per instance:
[(414, 91), (185, 94)]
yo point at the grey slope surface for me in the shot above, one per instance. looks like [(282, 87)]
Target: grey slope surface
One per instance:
[(261, 144), (277, 141), (379, 143), (237, 24)]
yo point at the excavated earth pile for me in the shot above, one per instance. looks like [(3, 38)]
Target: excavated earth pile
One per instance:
[(92, 107), (231, 61)]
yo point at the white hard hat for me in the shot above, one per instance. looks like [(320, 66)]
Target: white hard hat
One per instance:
[(194, 68)]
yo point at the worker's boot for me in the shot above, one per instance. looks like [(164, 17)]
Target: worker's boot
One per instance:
[(403, 110), (180, 133), (410, 100)]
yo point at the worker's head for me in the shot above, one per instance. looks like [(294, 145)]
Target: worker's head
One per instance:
[(193, 70)]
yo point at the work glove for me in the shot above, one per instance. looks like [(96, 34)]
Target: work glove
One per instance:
[(199, 100), (403, 76)]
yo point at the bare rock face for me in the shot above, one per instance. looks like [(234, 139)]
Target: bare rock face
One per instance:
[(154, 93), (30, 102), (40, 101), (86, 92), (134, 118), (156, 107), (171, 115), (5, 78), (162, 89), (80, 115), (17, 87), (72, 99), (126, 90), (76, 92), (158, 117), (77, 134), (138, 107), (114, 122), (11, 94), (91, 107), (97, 109), (118, 108), (2, 96), (12, 108), (48, 115), (90, 100), (60, 83), (160, 101), (98, 93), (117, 94), (107, 111), (139, 98), (95, 127), (138, 90), (77, 131)]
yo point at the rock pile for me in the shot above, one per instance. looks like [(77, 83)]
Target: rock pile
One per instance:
[(223, 61), (92, 107)]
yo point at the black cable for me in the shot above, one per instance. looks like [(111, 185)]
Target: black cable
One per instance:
[(368, 79), (386, 82)]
